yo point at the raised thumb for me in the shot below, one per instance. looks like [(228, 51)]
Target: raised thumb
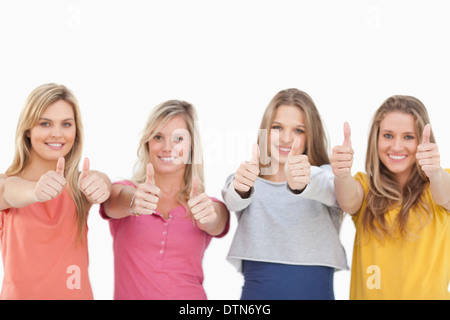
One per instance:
[(150, 178), (295, 148), (347, 135), (426, 134), (60, 166), (255, 154), (195, 187)]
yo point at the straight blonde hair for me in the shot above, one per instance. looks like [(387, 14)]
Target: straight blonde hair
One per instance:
[(384, 192), (316, 140), (157, 119), (35, 105)]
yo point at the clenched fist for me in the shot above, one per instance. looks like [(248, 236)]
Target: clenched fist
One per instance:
[(93, 185), (297, 168), (247, 173), (147, 195), (51, 184), (342, 156)]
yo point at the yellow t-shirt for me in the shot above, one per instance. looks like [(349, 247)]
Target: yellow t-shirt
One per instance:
[(416, 266)]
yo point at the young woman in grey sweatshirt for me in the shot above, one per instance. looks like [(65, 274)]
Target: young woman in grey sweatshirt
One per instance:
[(287, 241)]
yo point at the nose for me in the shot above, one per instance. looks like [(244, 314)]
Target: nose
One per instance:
[(286, 138), (56, 131), (168, 144), (398, 144)]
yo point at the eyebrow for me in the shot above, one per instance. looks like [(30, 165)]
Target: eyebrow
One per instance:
[(300, 125), (46, 119), (390, 131)]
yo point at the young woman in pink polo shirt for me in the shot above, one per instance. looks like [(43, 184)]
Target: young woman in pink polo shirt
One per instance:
[(45, 200), (161, 220)]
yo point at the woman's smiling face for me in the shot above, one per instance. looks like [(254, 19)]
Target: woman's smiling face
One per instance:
[(287, 125), (170, 147), (397, 144), (54, 134)]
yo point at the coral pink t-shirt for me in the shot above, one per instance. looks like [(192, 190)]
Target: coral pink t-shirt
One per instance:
[(158, 259), (43, 257)]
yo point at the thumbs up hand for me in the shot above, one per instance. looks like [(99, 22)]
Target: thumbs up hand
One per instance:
[(428, 154), (342, 156), (146, 197), (297, 168), (51, 184), (93, 185), (247, 173), (201, 205)]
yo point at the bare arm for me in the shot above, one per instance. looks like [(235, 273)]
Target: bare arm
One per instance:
[(118, 204), (146, 197), (3, 203), (429, 160), (440, 188), (349, 194), (15, 192)]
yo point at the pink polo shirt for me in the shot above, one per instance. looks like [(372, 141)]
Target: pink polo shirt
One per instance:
[(158, 259)]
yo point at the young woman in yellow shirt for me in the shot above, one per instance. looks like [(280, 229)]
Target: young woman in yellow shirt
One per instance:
[(400, 206)]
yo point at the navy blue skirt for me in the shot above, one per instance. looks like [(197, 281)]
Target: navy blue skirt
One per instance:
[(274, 281)]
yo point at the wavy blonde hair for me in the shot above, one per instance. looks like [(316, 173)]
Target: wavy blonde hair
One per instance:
[(316, 140), (384, 192), (157, 119), (37, 102)]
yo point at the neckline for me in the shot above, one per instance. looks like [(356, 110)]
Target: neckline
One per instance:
[(272, 182)]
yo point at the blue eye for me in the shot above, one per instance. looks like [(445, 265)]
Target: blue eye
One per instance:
[(299, 131), (388, 136), (276, 127)]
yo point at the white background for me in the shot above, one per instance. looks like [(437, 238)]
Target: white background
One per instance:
[(228, 58)]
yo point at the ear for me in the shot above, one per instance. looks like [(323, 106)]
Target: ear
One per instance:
[(28, 134)]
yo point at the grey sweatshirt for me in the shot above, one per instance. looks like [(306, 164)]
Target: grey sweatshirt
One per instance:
[(276, 225)]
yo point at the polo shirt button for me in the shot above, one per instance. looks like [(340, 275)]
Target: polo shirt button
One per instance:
[(161, 251)]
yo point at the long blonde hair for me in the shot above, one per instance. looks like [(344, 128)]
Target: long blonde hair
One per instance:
[(316, 139), (157, 119), (37, 102), (384, 192)]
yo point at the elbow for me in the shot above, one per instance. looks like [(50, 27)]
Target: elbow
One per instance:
[(349, 208)]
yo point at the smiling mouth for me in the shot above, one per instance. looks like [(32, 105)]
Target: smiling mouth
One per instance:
[(167, 159), (284, 150), (55, 145), (397, 157)]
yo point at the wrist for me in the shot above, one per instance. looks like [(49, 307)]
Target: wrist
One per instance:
[(296, 189), (133, 213), (343, 176), (244, 194), (437, 174)]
